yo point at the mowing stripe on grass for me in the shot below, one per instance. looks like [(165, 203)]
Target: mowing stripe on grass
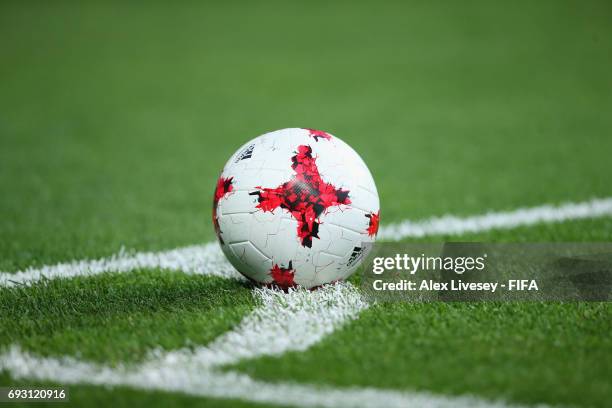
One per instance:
[(209, 260), (284, 322)]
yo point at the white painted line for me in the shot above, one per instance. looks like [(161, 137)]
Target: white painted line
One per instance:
[(291, 321), (198, 259), (452, 225), (209, 260), (285, 322), (194, 381)]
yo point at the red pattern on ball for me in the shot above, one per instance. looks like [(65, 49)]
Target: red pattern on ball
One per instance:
[(306, 196)]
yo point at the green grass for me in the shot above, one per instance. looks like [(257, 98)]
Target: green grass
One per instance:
[(123, 397), (115, 120), (119, 318), (557, 353), (530, 353), (586, 230)]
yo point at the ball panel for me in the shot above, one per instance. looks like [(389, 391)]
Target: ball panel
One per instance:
[(257, 264), (328, 271), (239, 202), (235, 228)]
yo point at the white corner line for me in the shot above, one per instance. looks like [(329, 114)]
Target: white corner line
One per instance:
[(225, 385), (208, 259), (205, 259), (284, 322), (453, 225)]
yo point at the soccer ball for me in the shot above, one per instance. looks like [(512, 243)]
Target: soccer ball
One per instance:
[(296, 207)]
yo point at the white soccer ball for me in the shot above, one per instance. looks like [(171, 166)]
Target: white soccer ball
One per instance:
[(296, 207)]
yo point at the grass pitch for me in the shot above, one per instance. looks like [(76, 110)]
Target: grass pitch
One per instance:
[(116, 119), (520, 352)]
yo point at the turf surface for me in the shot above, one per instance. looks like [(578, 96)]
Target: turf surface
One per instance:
[(123, 397), (119, 318), (556, 353), (115, 120)]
